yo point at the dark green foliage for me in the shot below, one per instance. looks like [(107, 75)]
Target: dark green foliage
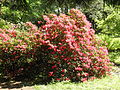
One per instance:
[(65, 5), (112, 2), (111, 24), (16, 4)]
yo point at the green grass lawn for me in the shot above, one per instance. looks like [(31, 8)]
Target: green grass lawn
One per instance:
[(107, 83)]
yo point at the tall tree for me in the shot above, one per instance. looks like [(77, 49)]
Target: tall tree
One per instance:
[(1, 2), (64, 5), (16, 4), (112, 2)]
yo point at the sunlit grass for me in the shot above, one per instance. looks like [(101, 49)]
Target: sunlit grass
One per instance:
[(107, 83)]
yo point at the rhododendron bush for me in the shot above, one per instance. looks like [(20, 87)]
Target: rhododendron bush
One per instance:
[(16, 47), (67, 44), (76, 53)]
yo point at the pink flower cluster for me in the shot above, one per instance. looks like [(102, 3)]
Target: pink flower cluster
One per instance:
[(16, 45), (74, 47), (68, 42)]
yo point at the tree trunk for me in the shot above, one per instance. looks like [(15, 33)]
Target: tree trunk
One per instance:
[(66, 7), (0, 8)]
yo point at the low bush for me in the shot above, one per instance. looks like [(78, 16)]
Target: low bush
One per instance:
[(4, 24), (76, 53), (115, 57), (112, 43), (65, 47), (110, 25), (17, 47)]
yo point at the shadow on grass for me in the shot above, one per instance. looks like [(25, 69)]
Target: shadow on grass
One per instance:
[(34, 75), (117, 64), (21, 81), (10, 84)]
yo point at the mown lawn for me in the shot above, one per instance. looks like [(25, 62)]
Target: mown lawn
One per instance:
[(107, 83)]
